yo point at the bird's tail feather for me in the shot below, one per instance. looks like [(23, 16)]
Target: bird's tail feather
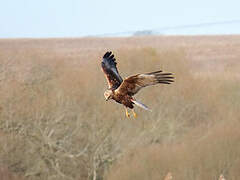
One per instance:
[(141, 105)]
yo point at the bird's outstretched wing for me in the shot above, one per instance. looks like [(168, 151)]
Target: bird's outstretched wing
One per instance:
[(110, 70), (133, 84)]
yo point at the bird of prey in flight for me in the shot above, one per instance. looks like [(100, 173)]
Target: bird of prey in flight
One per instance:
[(122, 91)]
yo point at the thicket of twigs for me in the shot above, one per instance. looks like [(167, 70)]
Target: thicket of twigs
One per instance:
[(55, 123)]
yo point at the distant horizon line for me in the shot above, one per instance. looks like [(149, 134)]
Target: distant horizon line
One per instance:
[(122, 36), (161, 30), (147, 32)]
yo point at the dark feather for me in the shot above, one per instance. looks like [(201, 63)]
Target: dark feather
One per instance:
[(110, 70)]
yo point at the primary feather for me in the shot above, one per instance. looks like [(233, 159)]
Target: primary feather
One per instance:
[(133, 84), (110, 70)]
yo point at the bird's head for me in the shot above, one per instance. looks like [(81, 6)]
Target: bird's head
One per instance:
[(108, 94)]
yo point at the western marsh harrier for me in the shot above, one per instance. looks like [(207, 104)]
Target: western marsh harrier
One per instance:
[(122, 91)]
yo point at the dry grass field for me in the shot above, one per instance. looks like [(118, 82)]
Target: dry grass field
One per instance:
[(56, 125)]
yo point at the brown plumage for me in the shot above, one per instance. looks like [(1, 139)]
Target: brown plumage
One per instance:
[(122, 90)]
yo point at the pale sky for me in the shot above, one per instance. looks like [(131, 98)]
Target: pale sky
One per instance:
[(76, 18)]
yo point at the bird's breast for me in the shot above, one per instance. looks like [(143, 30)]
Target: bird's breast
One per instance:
[(124, 99)]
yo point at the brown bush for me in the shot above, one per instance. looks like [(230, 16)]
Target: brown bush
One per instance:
[(55, 124)]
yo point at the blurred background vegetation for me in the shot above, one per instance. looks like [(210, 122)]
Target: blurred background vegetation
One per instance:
[(55, 123)]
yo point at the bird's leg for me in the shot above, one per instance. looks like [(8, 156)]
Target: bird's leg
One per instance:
[(134, 114), (127, 114)]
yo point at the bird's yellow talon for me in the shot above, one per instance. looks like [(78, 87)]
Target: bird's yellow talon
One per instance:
[(134, 114), (127, 114)]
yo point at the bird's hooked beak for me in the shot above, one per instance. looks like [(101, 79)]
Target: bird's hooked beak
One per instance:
[(108, 95), (108, 98)]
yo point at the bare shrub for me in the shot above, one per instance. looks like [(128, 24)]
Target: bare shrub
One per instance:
[(5, 174), (55, 124)]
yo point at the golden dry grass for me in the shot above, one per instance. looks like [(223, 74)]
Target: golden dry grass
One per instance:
[(55, 124)]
